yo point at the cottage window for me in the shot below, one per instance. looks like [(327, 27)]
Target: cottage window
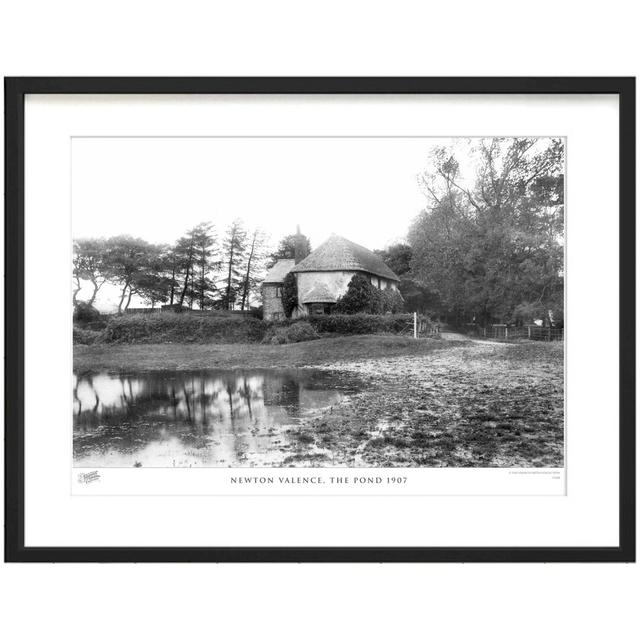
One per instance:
[(278, 292)]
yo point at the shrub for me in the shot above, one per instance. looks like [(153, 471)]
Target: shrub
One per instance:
[(257, 312), (299, 331), (86, 336), (184, 327), (358, 297), (98, 325), (84, 312), (377, 301), (289, 294)]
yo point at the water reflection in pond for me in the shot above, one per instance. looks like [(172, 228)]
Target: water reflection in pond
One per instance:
[(206, 418)]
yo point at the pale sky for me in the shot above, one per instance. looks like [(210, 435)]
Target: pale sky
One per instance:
[(365, 189)]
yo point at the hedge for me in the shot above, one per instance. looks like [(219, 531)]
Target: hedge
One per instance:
[(166, 327), (183, 327), (360, 323)]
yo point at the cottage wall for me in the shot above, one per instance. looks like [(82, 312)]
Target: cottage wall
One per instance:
[(335, 281), (272, 308), (383, 283)]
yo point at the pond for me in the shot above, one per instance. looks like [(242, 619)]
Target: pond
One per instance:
[(214, 418)]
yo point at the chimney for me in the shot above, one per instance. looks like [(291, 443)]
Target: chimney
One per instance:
[(300, 246)]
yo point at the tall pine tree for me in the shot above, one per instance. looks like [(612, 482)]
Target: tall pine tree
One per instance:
[(253, 266), (234, 248), (205, 244)]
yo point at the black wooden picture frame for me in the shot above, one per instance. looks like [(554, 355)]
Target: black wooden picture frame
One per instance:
[(15, 91)]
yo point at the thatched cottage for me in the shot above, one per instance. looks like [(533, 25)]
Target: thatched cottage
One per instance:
[(323, 276)]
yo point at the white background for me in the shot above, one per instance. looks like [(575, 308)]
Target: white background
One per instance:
[(332, 38)]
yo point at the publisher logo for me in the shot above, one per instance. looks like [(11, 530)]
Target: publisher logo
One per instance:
[(86, 478)]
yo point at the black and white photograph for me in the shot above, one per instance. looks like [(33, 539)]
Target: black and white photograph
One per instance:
[(318, 301), (320, 320)]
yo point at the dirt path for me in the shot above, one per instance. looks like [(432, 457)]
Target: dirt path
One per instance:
[(451, 335), (461, 337)]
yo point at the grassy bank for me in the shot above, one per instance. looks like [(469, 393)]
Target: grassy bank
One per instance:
[(150, 357)]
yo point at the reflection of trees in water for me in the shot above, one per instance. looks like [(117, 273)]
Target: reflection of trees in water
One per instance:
[(127, 398), (284, 392), (187, 403), (290, 395), (96, 403), (198, 399), (246, 393), (76, 399), (200, 409), (204, 401)]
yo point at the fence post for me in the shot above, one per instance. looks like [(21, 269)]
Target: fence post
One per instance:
[(415, 325), (506, 333)]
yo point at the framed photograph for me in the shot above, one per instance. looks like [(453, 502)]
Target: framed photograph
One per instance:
[(320, 319)]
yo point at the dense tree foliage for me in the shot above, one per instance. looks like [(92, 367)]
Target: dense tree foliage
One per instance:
[(287, 248), (414, 295), (397, 257), (126, 263), (289, 294), (491, 249)]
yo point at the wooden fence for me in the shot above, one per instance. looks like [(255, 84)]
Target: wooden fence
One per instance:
[(507, 333)]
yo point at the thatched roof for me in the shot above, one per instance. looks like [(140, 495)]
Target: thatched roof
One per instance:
[(276, 274), (340, 254), (318, 293)]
